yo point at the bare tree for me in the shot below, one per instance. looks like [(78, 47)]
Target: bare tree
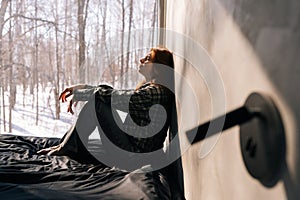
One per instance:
[(154, 17), (65, 64), (105, 49), (4, 4), (122, 40), (128, 40), (81, 20), (11, 84), (58, 66), (36, 66)]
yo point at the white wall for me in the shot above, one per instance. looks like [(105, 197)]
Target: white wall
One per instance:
[(255, 46)]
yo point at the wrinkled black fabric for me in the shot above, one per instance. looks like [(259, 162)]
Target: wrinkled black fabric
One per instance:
[(26, 175)]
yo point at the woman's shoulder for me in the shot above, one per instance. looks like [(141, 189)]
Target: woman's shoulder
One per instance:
[(152, 86), (155, 89)]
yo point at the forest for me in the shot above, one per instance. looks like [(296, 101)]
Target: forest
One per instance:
[(46, 45)]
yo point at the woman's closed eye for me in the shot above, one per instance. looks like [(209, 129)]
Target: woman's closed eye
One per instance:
[(146, 59)]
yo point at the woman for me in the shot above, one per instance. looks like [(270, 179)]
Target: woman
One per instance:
[(149, 117)]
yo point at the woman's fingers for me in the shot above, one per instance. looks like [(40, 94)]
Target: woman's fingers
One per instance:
[(63, 97), (70, 107), (65, 94)]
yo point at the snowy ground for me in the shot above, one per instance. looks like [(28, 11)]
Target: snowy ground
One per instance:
[(24, 117)]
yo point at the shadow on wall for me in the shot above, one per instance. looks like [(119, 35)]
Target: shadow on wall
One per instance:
[(273, 29)]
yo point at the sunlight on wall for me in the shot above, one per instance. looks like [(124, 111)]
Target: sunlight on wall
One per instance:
[(222, 174)]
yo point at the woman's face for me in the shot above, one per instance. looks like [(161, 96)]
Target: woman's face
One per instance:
[(146, 65)]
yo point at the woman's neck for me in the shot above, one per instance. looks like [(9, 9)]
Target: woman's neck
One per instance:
[(144, 82)]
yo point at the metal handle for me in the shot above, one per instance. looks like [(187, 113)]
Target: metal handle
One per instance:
[(262, 137), (231, 119)]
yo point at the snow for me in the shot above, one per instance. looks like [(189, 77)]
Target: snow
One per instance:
[(24, 117)]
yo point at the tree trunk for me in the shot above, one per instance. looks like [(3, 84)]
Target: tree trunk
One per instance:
[(4, 4), (122, 43), (81, 20), (64, 62), (105, 46), (153, 23), (3, 109), (162, 21), (36, 68), (128, 42), (58, 63), (11, 84)]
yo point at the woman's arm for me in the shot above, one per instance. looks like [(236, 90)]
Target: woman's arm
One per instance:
[(141, 99)]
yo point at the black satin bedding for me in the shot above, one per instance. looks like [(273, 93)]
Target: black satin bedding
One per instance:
[(26, 175)]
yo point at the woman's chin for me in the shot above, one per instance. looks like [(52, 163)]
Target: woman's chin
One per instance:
[(140, 70)]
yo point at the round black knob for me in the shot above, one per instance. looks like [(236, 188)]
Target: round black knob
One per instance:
[(262, 140)]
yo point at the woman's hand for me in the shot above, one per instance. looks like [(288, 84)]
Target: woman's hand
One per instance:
[(68, 92)]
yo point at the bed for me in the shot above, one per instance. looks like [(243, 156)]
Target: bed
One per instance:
[(26, 175)]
